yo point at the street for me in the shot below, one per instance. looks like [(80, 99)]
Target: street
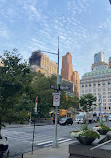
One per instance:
[(20, 138)]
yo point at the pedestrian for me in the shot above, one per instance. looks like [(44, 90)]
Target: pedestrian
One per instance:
[(51, 120)]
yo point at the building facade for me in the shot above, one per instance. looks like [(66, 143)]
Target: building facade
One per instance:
[(67, 72), (40, 62), (98, 83)]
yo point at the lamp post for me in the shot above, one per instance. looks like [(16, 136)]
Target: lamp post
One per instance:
[(99, 101), (55, 141)]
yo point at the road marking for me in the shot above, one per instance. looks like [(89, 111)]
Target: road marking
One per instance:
[(66, 140), (49, 141)]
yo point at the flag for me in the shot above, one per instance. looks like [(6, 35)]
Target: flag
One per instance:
[(36, 102)]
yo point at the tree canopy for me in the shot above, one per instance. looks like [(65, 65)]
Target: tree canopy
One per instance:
[(87, 102)]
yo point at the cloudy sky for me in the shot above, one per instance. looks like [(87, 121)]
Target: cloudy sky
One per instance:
[(83, 26)]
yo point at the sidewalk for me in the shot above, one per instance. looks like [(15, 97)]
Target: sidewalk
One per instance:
[(24, 125), (49, 152)]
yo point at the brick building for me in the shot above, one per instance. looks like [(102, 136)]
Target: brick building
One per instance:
[(68, 73), (40, 62)]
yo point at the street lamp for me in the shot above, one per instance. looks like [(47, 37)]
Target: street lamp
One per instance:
[(99, 101), (55, 141)]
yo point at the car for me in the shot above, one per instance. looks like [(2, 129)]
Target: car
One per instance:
[(3, 145), (109, 117), (66, 121), (80, 119)]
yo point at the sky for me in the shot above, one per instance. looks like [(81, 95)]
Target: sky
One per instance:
[(83, 27)]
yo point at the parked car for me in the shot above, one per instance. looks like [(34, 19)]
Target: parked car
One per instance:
[(66, 121), (80, 119), (109, 117), (3, 145)]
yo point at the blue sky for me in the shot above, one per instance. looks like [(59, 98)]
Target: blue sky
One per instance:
[(84, 28)]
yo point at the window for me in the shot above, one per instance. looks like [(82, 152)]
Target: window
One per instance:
[(94, 90), (89, 84), (103, 83), (82, 85), (104, 100), (99, 84), (104, 89), (94, 84), (109, 89)]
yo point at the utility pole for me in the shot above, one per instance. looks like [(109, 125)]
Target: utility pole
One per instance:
[(55, 141), (35, 112)]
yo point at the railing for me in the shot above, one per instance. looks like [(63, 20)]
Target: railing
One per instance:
[(99, 146)]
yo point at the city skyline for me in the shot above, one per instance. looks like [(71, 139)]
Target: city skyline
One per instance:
[(84, 29)]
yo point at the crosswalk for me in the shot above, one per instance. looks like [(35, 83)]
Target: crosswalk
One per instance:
[(24, 138)]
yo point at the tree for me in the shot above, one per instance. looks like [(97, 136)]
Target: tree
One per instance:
[(41, 86), (87, 102), (15, 80)]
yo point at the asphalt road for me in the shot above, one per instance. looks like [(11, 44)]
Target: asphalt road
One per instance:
[(20, 138)]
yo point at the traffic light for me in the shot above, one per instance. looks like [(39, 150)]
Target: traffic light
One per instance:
[(67, 97)]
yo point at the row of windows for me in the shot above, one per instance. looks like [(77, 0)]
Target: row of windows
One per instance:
[(98, 84), (97, 90)]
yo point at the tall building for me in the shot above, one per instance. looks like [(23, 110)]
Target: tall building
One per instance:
[(40, 62), (98, 82), (99, 57), (67, 72)]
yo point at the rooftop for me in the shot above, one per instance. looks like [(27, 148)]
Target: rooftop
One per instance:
[(95, 73)]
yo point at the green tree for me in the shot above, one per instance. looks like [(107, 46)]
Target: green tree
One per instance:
[(87, 102), (41, 86), (15, 80)]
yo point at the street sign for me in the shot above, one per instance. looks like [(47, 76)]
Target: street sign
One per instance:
[(62, 87), (53, 86), (56, 99)]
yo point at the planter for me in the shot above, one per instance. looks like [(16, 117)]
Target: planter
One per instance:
[(102, 131), (85, 140)]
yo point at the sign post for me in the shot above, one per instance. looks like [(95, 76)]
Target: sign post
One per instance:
[(35, 112), (56, 103)]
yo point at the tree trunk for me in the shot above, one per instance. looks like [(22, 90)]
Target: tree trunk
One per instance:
[(87, 117)]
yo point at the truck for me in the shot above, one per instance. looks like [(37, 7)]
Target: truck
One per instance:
[(82, 117)]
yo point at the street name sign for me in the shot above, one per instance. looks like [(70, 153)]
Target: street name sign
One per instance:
[(60, 87), (56, 99)]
